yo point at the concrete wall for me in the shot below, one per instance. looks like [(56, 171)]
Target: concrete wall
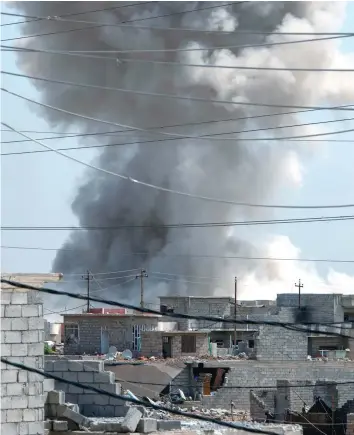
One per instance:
[(119, 329), (89, 373), (23, 394), (257, 374)]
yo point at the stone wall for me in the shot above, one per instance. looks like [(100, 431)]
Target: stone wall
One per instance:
[(23, 394), (90, 373), (119, 328)]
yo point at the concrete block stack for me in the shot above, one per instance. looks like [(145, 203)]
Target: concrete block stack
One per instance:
[(22, 341), (90, 373)]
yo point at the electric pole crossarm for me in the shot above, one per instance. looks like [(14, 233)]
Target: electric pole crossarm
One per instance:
[(142, 275), (299, 286), (88, 278)]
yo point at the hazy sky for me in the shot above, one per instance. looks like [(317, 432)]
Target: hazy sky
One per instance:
[(38, 189)]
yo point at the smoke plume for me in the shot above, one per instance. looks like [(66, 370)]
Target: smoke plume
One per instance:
[(243, 171)]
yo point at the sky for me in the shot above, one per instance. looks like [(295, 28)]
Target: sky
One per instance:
[(38, 189)]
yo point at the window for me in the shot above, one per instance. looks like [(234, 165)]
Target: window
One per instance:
[(189, 344), (71, 332), (251, 344)]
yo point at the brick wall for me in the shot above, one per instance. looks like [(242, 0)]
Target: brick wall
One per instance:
[(119, 331), (22, 340), (151, 343), (89, 373)]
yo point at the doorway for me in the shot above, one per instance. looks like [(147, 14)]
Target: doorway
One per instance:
[(167, 347)]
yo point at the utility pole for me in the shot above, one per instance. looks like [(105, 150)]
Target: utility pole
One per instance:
[(235, 312), (88, 278), (142, 275), (299, 286)]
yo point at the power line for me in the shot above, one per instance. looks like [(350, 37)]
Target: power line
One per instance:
[(136, 401), (182, 225), (180, 193), (196, 256), (187, 49), (126, 25), (97, 25), (286, 325), (169, 96), (183, 64), (114, 133)]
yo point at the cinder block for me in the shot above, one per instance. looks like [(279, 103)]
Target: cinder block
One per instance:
[(19, 324), (29, 415), (9, 428), (13, 311), (19, 402), (34, 388), (48, 364), (5, 323), (65, 412), (60, 425), (99, 399), (104, 377), (19, 350), (111, 388), (36, 427), (75, 390), (75, 366), (8, 376), (35, 323), (60, 366), (22, 376), (56, 397), (71, 376), (5, 297), (131, 420), (92, 366), (168, 425), (147, 425), (12, 337), (36, 349), (30, 337), (36, 401), (6, 349), (14, 415), (85, 377), (16, 389), (48, 425), (19, 297), (30, 311)]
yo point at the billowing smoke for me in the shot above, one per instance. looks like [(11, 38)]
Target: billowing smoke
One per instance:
[(242, 171)]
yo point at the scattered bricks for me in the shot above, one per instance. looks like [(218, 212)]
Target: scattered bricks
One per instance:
[(36, 401), (36, 349), (29, 415), (147, 425), (85, 377), (30, 337), (97, 410), (35, 323), (48, 425), (131, 420), (142, 409), (19, 324), (60, 425), (168, 425), (13, 311), (56, 397), (36, 427), (30, 311), (19, 298), (65, 412), (12, 337), (19, 350), (14, 415), (19, 402)]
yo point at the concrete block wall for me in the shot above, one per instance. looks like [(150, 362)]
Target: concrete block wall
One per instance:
[(255, 373), (91, 373), (23, 394), (151, 343)]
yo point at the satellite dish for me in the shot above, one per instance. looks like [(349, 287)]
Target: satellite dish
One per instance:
[(112, 350), (127, 354)]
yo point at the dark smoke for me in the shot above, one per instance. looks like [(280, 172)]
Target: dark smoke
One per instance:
[(242, 171)]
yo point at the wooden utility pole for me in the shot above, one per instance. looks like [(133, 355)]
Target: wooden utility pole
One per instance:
[(88, 278), (235, 312), (142, 275), (299, 286)]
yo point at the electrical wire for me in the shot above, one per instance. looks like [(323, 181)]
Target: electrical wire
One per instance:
[(169, 96), (97, 25), (104, 273), (184, 225), (286, 325), (125, 25), (176, 192), (63, 311), (71, 14), (196, 256), (188, 49), (110, 134), (137, 402), (183, 64)]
